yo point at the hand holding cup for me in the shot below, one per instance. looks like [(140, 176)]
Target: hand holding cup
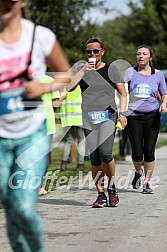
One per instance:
[(92, 62)]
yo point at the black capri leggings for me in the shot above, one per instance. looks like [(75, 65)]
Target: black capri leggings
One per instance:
[(143, 132), (100, 139)]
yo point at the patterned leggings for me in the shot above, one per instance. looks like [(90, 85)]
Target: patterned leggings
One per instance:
[(23, 164)]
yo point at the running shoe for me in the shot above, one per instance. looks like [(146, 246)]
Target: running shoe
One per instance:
[(113, 197), (147, 189), (136, 182), (80, 167), (42, 191), (100, 202), (63, 166)]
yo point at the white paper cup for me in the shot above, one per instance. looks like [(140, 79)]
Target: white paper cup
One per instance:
[(93, 60)]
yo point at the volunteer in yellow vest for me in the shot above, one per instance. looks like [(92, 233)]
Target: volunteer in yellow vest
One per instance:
[(71, 120), (48, 105), (49, 114)]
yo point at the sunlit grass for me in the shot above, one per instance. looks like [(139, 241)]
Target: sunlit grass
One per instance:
[(56, 156)]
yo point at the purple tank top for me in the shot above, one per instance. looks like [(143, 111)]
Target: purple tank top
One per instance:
[(143, 91)]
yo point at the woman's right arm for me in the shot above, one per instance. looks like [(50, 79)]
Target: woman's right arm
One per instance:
[(62, 76), (75, 80), (65, 76)]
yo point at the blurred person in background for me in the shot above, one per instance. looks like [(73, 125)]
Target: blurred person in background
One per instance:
[(71, 121), (24, 145)]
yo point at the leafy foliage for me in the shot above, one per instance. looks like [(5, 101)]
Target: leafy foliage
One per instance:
[(66, 18), (145, 25)]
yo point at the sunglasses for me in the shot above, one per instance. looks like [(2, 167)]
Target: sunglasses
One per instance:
[(8, 1), (95, 51)]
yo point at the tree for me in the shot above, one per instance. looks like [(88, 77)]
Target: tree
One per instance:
[(115, 45), (67, 19), (147, 25)]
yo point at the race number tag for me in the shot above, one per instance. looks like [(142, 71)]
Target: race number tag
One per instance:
[(98, 116), (142, 90), (11, 101)]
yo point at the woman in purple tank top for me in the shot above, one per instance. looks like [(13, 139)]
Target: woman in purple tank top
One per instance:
[(145, 84)]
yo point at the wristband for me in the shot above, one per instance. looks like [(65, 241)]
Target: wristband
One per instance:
[(122, 113)]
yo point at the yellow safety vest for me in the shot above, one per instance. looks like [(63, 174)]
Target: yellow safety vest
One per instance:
[(48, 106), (70, 110)]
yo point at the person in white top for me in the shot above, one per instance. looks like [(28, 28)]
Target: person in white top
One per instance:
[(25, 51)]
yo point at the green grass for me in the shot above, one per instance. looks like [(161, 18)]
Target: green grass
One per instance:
[(62, 177), (56, 155), (163, 129), (161, 142)]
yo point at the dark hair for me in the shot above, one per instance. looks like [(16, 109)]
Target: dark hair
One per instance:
[(150, 50), (24, 13), (94, 40), (24, 10)]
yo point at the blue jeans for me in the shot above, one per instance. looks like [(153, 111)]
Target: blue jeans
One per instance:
[(23, 164)]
